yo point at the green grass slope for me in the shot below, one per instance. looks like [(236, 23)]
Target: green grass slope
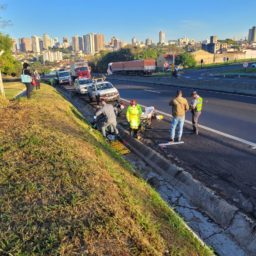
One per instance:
[(63, 191)]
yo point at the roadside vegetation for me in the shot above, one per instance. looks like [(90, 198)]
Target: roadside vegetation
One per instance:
[(9, 65), (64, 191), (241, 71), (12, 89)]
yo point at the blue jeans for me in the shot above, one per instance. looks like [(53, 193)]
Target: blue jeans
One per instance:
[(177, 122)]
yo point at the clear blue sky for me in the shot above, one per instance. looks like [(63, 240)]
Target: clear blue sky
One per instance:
[(196, 19)]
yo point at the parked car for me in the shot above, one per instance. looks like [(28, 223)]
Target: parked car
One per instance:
[(63, 77), (81, 85), (253, 65), (103, 89)]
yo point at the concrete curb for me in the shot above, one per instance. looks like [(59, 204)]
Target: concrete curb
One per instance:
[(235, 224), (235, 91)]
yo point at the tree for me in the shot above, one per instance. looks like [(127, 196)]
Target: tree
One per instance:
[(186, 59), (8, 64)]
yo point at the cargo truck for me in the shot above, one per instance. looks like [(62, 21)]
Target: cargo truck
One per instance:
[(79, 70), (140, 67)]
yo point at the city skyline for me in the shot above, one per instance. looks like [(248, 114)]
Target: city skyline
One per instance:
[(197, 20)]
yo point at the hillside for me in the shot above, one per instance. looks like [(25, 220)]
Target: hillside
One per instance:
[(64, 191)]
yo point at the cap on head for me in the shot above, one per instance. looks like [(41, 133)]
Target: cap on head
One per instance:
[(133, 102)]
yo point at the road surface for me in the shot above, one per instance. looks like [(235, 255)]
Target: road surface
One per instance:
[(232, 114)]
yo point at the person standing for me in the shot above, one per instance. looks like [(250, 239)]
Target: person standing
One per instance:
[(196, 107), (28, 79), (37, 79), (179, 108), (133, 114), (108, 111)]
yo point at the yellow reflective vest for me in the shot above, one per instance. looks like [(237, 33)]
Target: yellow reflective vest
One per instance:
[(133, 114)]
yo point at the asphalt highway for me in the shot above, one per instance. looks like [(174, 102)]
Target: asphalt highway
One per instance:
[(228, 113)]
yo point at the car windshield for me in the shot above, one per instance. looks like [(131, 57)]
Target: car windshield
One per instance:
[(104, 86), (85, 81), (82, 69), (62, 74)]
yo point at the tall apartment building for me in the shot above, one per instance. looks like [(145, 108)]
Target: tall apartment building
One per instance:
[(14, 46), (65, 42), (35, 44), (75, 43), (25, 44), (134, 41), (148, 42), (213, 39), (47, 42), (81, 43), (99, 42), (161, 37), (89, 46), (252, 35)]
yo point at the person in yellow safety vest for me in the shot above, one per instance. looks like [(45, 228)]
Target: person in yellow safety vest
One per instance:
[(133, 114), (196, 107)]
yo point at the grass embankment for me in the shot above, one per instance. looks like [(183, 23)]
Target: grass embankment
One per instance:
[(64, 191), (12, 89)]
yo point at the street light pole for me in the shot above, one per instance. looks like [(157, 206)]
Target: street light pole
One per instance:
[(1, 80)]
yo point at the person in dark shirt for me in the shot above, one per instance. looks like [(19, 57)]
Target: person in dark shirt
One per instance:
[(26, 71)]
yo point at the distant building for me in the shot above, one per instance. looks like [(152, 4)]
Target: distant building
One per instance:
[(81, 43), (52, 56), (46, 41), (41, 44), (213, 39), (148, 42), (99, 42), (25, 44), (14, 46), (75, 43), (252, 35), (89, 46), (36, 44), (214, 46), (65, 42), (161, 37), (134, 41)]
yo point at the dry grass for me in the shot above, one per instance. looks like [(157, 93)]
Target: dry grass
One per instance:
[(63, 191), (12, 89)]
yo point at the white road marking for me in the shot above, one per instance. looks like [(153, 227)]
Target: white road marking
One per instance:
[(226, 135), (146, 90)]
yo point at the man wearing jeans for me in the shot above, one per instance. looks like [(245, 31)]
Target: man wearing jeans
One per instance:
[(179, 108)]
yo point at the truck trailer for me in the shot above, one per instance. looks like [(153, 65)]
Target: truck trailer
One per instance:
[(139, 67)]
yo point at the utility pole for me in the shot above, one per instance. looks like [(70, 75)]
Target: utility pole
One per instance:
[(1, 80)]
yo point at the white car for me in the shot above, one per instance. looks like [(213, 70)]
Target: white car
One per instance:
[(253, 65), (103, 90), (81, 85)]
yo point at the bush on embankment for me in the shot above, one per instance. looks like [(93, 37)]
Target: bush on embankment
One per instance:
[(64, 191)]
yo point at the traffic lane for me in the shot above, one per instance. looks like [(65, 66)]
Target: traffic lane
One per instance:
[(228, 115), (221, 164)]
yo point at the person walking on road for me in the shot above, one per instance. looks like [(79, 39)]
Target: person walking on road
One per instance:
[(28, 79), (179, 108), (196, 107), (108, 111), (133, 114)]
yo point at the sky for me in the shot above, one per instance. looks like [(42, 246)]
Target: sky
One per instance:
[(196, 19)]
